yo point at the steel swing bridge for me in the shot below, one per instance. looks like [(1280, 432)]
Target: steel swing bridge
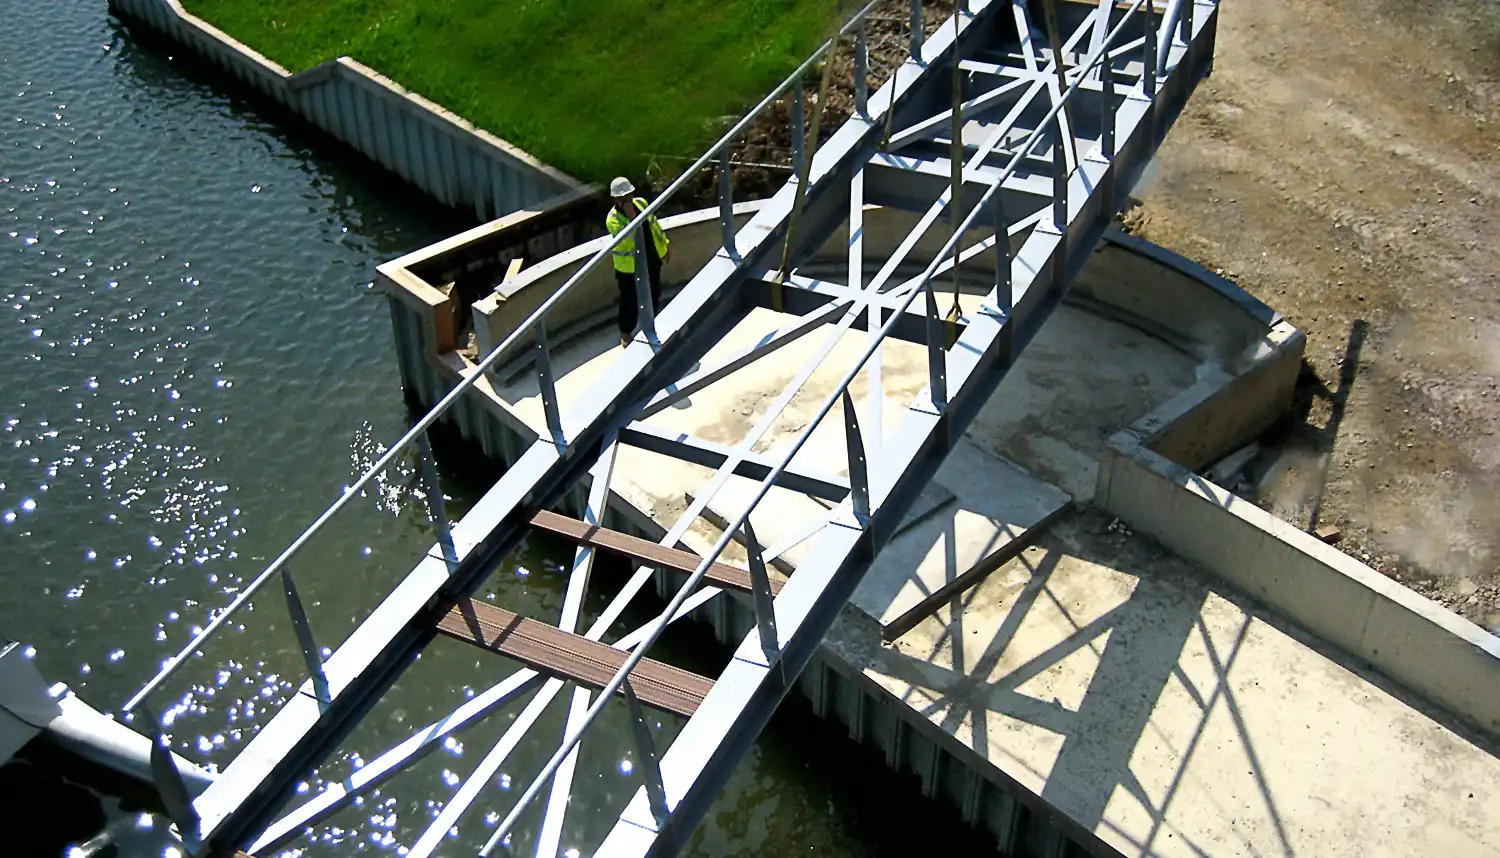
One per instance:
[(1028, 119)]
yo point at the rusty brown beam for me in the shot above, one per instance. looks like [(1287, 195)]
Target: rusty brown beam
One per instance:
[(643, 550), (569, 656), (971, 576)]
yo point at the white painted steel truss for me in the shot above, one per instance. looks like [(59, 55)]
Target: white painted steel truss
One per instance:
[(1040, 151)]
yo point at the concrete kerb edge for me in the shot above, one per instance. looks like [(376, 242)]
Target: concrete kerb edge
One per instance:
[(1423, 646), (278, 77), (488, 229), (560, 263), (1225, 287)]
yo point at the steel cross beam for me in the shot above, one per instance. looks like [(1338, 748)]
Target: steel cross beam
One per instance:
[(1082, 197), (710, 454)]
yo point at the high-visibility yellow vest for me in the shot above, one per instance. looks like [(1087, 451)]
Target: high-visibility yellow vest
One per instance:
[(624, 255)]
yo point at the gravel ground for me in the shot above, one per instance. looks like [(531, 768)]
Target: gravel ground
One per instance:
[(1343, 164)]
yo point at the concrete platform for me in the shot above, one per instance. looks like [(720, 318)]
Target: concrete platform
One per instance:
[(1169, 717), (1097, 693), (1159, 712)]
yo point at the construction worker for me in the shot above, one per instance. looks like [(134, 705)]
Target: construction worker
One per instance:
[(627, 206)]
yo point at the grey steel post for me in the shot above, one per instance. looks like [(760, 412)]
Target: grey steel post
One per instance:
[(862, 72), (1173, 12), (168, 779), (937, 372), (859, 475), (760, 587), (916, 30), (1004, 292), (726, 205), (1107, 107), (1059, 179), (310, 652), (435, 511), (1148, 52), (544, 379), (799, 129), (1002, 254), (656, 792), (647, 315), (956, 156)]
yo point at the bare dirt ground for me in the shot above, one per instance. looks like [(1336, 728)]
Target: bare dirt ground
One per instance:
[(1343, 164), (762, 155)]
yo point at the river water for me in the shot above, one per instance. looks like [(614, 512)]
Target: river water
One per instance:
[(191, 367)]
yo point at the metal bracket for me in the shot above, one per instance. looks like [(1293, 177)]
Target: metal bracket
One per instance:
[(937, 364), (311, 655), (990, 310), (547, 388), (435, 510), (656, 791), (760, 582), (859, 478), (168, 780)]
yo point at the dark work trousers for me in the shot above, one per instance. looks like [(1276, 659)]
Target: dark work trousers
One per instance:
[(629, 308)]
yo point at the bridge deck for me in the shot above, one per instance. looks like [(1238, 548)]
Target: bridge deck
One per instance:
[(1047, 179)]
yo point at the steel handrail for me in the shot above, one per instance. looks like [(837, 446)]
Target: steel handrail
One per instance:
[(171, 666), (606, 695)]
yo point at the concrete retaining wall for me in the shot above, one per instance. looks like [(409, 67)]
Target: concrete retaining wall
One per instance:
[(1224, 411), (1147, 478), (695, 238), (1172, 298), (1418, 643), (433, 149), (444, 280)]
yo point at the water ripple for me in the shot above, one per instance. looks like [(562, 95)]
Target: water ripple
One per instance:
[(187, 365)]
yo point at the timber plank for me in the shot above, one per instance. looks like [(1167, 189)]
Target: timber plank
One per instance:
[(643, 550), (559, 653)]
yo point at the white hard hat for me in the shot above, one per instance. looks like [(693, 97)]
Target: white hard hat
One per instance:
[(621, 187)]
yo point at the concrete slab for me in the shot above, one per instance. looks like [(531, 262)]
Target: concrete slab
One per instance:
[(1123, 688), (1172, 718), (995, 503), (1080, 380)]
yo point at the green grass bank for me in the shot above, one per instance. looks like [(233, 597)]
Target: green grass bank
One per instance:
[(592, 87)]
